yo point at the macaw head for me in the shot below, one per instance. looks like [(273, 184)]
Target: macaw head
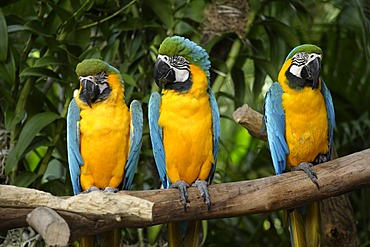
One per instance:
[(94, 83), (304, 68), (172, 69)]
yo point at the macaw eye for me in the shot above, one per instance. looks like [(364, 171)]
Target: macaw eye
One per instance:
[(181, 59), (178, 61), (300, 58)]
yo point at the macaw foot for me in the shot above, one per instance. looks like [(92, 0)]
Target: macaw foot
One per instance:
[(321, 158), (182, 186), (92, 188), (110, 189), (306, 167), (202, 186)]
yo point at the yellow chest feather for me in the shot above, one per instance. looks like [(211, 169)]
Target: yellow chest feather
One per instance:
[(306, 129)]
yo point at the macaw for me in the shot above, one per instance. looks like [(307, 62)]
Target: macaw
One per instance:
[(184, 125), (103, 135), (299, 119)]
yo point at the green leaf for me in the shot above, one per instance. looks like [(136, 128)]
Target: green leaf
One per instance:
[(268, 67), (111, 51), (239, 86), (3, 37), (280, 29), (70, 23), (11, 120), (303, 13), (61, 12), (194, 10), (163, 11), (183, 28), (79, 38), (25, 178), (48, 61), (18, 28), (37, 28), (31, 128), (90, 53), (128, 80), (7, 69), (39, 144), (39, 72)]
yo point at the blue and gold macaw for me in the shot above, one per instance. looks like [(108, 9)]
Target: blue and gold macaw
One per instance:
[(103, 135), (299, 119), (184, 127)]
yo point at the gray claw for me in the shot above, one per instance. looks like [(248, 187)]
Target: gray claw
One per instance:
[(92, 188), (306, 167), (182, 186), (110, 189), (202, 186)]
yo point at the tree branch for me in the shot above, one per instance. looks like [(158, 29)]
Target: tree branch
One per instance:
[(96, 212), (53, 228), (251, 120)]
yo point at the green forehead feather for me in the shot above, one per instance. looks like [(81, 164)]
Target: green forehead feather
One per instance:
[(94, 66), (181, 46), (304, 48)]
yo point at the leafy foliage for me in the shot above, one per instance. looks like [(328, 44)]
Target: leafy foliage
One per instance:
[(41, 42)]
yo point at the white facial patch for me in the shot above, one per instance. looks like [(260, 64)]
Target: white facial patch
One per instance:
[(181, 74), (296, 70), (179, 65)]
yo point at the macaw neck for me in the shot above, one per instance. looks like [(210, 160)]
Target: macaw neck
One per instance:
[(199, 85), (115, 82)]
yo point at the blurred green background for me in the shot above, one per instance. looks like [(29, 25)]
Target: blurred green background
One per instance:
[(42, 41)]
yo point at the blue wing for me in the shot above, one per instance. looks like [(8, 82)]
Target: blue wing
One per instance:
[(331, 115), (136, 132), (156, 137), (274, 122), (73, 145), (216, 131)]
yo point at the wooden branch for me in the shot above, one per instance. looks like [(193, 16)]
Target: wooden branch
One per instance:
[(96, 212), (52, 228), (251, 120)]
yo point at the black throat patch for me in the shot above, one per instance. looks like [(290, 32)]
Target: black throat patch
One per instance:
[(181, 87), (297, 83)]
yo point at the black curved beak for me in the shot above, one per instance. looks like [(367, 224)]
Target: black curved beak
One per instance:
[(89, 92), (163, 73), (313, 69)]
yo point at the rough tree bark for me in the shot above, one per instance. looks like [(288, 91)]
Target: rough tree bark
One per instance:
[(338, 224)]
